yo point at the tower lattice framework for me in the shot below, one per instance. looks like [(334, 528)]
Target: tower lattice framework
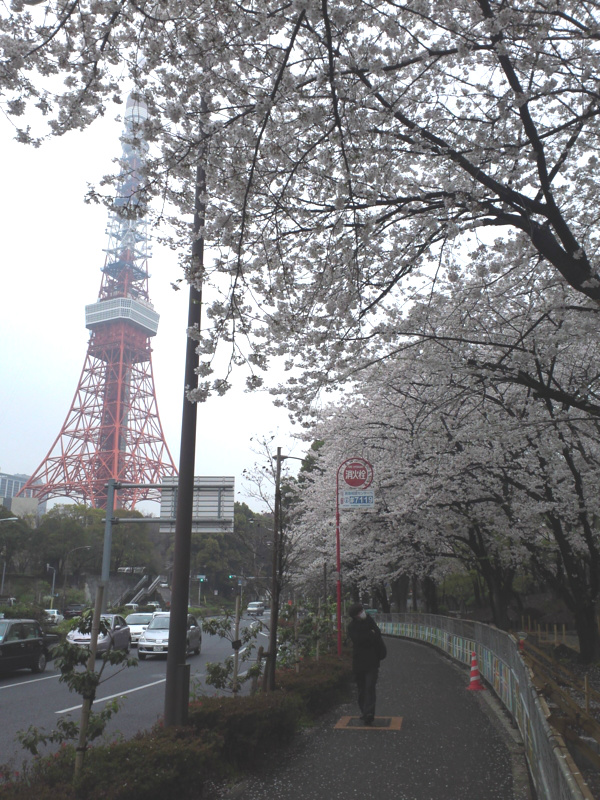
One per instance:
[(113, 428)]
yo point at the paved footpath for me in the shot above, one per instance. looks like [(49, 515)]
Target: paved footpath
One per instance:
[(450, 743)]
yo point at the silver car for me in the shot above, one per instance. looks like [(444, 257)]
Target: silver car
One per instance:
[(53, 616), (155, 639), (117, 636)]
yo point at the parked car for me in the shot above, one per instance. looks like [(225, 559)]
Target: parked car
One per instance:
[(138, 622), (73, 610), (117, 636), (155, 639), (255, 609), (53, 616), (23, 645)]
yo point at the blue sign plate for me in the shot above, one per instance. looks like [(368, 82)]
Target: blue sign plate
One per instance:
[(357, 500)]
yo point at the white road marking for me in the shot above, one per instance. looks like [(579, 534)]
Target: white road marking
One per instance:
[(33, 680), (112, 696), (119, 694)]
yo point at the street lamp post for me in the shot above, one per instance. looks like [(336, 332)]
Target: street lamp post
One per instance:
[(277, 570), (49, 566)]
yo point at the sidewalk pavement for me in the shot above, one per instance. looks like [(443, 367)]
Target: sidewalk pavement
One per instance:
[(432, 740)]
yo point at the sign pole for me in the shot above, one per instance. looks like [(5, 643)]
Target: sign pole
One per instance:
[(338, 561), (358, 474)]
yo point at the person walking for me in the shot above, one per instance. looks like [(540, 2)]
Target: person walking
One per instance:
[(368, 650)]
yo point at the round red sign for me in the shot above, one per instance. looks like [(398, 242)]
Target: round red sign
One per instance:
[(358, 473)]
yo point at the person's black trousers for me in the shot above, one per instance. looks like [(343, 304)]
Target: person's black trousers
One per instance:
[(366, 683)]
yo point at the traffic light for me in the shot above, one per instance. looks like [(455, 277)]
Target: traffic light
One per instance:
[(231, 576)]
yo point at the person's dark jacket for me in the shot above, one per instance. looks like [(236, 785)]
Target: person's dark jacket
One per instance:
[(366, 643)]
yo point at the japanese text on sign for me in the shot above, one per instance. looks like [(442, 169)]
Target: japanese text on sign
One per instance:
[(357, 500), (357, 473)]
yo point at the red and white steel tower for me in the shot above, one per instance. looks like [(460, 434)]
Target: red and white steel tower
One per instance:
[(113, 429)]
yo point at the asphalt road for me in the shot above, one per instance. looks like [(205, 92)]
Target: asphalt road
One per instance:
[(40, 700)]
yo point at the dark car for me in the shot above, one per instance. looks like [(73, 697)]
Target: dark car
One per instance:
[(73, 610), (23, 645)]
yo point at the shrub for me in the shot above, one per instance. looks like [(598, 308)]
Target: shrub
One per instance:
[(44, 778), (319, 685), (24, 610), (167, 763), (250, 727)]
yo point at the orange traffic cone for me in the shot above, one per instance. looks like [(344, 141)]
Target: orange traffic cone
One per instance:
[(475, 685)]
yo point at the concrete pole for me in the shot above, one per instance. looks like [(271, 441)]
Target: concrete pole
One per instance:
[(110, 510), (177, 680), (271, 664), (90, 696), (236, 653)]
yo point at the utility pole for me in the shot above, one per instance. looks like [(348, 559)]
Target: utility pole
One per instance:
[(277, 570), (277, 560), (177, 686), (111, 487)]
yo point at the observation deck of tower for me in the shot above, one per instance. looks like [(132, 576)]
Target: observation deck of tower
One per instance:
[(113, 428)]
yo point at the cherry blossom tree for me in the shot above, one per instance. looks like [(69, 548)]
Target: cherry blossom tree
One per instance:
[(361, 160), (471, 463), (347, 146)]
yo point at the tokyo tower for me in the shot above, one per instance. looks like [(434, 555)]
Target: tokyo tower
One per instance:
[(113, 429)]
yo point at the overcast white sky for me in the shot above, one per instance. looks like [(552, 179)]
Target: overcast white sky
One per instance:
[(52, 247)]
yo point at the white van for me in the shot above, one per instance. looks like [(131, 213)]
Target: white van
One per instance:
[(255, 609)]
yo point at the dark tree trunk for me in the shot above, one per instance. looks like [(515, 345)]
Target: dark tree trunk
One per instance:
[(500, 595), (415, 593), (430, 595), (575, 581), (497, 578), (400, 593), (479, 602), (587, 633), (382, 598)]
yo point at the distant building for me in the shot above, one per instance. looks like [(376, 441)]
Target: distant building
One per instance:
[(10, 486), (25, 506)]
